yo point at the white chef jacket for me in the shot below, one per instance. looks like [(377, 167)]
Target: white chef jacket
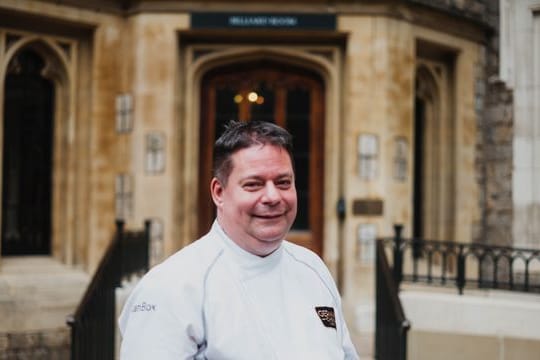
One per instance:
[(214, 300)]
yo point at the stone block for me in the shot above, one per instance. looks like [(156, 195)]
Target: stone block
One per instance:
[(59, 354), (47, 345), (56, 338), (24, 340), (4, 342)]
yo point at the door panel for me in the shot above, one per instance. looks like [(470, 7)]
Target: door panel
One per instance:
[(292, 98)]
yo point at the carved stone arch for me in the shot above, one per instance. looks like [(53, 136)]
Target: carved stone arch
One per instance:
[(304, 59), (426, 84), (56, 63), (435, 150)]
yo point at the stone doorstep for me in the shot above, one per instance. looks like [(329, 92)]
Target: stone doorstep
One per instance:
[(38, 293)]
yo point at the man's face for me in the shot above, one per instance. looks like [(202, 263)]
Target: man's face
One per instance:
[(258, 205)]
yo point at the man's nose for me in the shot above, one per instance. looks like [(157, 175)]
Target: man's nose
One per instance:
[(271, 193)]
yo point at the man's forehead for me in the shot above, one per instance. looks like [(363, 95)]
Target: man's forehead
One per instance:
[(257, 147), (239, 156)]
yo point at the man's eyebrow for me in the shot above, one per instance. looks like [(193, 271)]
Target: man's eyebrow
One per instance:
[(258, 177)]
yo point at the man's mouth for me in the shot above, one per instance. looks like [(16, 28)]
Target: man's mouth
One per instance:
[(268, 216)]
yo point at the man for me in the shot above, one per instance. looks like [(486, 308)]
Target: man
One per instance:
[(241, 291)]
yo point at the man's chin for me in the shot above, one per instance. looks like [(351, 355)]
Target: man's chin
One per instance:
[(267, 246), (271, 238)]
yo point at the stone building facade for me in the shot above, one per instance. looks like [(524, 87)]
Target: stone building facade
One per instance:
[(495, 152), (519, 69), (395, 106)]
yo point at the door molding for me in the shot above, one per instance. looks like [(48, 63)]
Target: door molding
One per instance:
[(196, 60)]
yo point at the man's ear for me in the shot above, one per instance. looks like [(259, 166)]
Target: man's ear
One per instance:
[(216, 190)]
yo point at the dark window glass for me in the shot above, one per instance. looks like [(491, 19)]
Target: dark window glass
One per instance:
[(263, 107), (226, 109), (298, 112)]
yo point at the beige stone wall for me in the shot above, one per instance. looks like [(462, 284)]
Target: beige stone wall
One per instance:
[(105, 154), (154, 83), (380, 70)]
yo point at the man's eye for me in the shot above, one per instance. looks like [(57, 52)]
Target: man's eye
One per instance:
[(284, 184), (252, 186)]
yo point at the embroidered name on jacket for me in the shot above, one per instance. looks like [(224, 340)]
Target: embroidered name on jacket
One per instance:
[(143, 307), (327, 316)]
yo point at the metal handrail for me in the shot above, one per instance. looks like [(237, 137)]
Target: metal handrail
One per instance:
[(391, 324), (93, 323)]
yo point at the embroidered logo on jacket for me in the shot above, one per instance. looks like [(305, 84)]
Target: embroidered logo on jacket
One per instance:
[(327, 315)]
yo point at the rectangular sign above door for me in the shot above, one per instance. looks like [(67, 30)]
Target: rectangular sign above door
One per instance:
[(278, 21)]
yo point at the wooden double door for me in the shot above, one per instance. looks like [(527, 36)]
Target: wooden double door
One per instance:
[(288, 96)]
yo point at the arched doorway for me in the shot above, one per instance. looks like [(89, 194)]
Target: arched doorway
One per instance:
[(290, 96), (434, 148), (27, 156)]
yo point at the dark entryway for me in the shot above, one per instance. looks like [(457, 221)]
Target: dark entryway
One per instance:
[(418, 178), (27, 157)]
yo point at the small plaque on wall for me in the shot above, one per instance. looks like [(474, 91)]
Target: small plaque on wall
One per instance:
[(367, 207)]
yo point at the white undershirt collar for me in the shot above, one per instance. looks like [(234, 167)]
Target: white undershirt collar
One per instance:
[(248, 262)]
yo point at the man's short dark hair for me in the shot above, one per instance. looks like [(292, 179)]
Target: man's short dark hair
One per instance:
[(241, 135)]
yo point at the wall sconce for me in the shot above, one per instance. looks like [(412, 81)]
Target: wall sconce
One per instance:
[(368, 154), (156, 241), (367, 236), (401, 152), (124, 113), (124, 196)]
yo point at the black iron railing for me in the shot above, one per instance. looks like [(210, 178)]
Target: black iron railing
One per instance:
[(464, 265), (94, 322), (441, 263), (391, 324)]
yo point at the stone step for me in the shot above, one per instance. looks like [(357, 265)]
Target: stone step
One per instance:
[(38, 292)]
